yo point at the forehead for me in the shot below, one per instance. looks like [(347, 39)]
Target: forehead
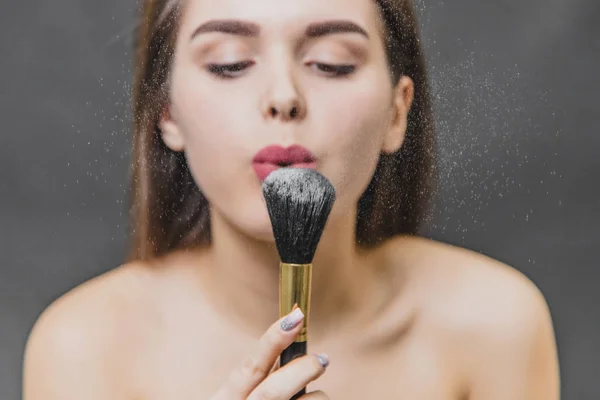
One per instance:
[(282, 15)]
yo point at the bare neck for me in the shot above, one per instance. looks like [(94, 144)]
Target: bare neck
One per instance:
[(241, 277)]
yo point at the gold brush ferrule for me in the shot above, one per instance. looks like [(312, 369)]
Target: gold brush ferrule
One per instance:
[(294, 289)]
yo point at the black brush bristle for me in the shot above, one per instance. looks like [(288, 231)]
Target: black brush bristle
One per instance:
[(299, 201)]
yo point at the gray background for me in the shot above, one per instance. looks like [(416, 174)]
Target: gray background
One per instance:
[(516, 92)]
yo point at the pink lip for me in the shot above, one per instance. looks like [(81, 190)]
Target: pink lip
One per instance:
[(272, 158)]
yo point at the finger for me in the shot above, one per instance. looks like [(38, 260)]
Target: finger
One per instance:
[(289, 380), (276, 366), (316, 395), (258, 365)]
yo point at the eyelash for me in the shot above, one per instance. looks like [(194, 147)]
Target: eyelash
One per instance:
[(338, 70), (228, 71)]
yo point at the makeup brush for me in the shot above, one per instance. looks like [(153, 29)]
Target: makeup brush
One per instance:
[(299, 201)]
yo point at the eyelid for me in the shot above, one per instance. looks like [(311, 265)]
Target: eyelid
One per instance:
[(331, 59), (228, 71), (348, 54), (357, 51), (218, 46)]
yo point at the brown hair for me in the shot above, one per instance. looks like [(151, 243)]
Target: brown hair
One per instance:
[(169, 211)]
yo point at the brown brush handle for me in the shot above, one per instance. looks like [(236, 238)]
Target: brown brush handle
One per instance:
[(294, 350)]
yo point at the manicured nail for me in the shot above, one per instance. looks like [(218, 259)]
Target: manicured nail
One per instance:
[(323, 359), (292, 320)]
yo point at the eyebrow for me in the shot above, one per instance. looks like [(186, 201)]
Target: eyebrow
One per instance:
[(250, 29)]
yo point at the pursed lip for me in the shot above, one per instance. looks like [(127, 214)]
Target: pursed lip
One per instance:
[(284, 156), (274, 157)]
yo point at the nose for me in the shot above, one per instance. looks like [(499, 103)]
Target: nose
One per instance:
[(282, 100)]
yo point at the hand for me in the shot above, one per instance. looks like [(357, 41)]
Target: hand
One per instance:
[(258, 378)]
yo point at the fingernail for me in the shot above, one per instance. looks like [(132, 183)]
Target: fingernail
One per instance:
[(323, 359), (292, 320)]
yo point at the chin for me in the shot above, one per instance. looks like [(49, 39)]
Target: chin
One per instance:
[(258, 233), (266, 237), (256, 225)]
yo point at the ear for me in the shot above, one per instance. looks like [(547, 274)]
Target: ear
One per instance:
[(401, 102), (170, 131)]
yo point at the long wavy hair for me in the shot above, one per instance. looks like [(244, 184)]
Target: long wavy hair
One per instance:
[(168, 210)]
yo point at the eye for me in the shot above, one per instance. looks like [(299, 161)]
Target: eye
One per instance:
[(335, 70), (228, 70)]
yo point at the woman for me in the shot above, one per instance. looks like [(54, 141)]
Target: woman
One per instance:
[(191, 315)]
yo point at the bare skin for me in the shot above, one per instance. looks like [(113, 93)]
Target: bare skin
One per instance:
[(413, 319), (457, 327)]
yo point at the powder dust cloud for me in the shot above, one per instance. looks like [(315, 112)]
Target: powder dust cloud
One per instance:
[(483, 131)]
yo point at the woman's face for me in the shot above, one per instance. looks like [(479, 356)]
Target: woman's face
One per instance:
[(250, 74)]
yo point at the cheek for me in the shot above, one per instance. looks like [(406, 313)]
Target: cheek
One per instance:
[(212, 123), (207, 115), (213, 118), (359, 123), (219, 127)]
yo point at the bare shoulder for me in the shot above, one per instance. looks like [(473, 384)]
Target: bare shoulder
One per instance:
[(92, 310), (494, 321), (82, 336), (473, 291)]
